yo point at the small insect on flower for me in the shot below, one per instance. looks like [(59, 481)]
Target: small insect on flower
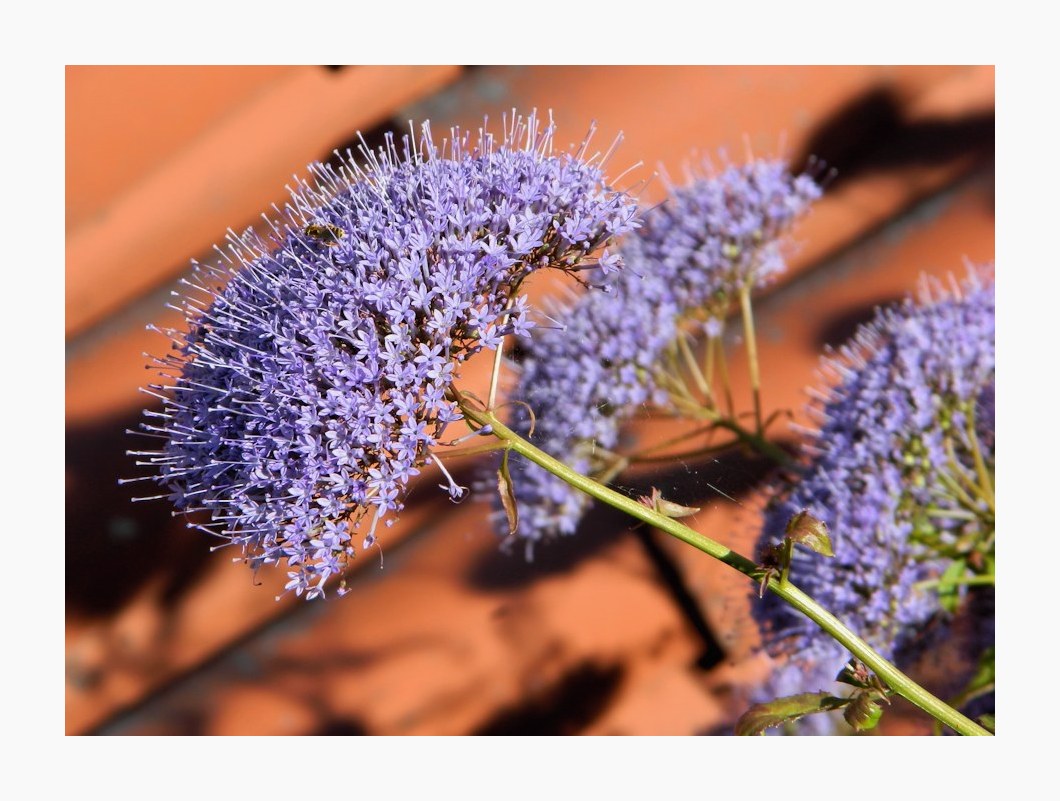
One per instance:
[(323, 232)]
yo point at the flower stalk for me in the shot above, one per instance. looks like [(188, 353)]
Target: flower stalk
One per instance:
[(752, 353), (888, 673)]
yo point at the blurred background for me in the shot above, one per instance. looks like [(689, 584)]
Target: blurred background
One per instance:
[(613, 631)]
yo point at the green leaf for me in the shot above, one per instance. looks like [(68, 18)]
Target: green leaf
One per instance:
[(507, 493), (948, 586), (785, 710), (987, 722), (807, 530)]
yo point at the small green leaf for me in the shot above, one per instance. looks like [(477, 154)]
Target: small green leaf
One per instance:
[(863, 713), (987, 722), (784, 710), (507, 493), (807, 530), (948, 586)]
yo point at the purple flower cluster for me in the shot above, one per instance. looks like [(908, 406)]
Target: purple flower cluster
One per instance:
[(686, 262), (315, 378), (911, 400)]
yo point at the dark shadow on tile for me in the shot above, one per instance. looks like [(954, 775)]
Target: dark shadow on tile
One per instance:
[(342, 727), (113, 545), (567, 707), (839, 327), (693, 483), (871, 134)]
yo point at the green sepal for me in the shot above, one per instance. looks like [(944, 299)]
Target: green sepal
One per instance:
[(863, 713), (805, 529), (785, 710)]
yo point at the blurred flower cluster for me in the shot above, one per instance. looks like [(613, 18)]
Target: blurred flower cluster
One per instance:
[(901, 472), (713, 238)]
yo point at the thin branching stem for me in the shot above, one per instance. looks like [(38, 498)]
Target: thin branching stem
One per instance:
[(693, 367), (723, 371), (752, 353), (985, 482)]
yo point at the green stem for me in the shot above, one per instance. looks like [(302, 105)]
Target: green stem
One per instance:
[(755, 441), (723, 370), (960, 474), (785, 570), (983, 580), (986, 484), (613, 470), (951, 514), (708, 360), (644, 455), (887, 672), (958, 492), (752, 353), (685, 456), (498, 356), (693, 367)]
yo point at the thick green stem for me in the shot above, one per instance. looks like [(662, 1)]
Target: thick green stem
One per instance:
[(887, 672)]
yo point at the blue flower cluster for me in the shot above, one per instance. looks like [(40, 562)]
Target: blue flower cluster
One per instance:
[(316, 375), (688, 260), (910, 403)]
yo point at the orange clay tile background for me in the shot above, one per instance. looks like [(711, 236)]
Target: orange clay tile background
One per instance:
[(614, 631)]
